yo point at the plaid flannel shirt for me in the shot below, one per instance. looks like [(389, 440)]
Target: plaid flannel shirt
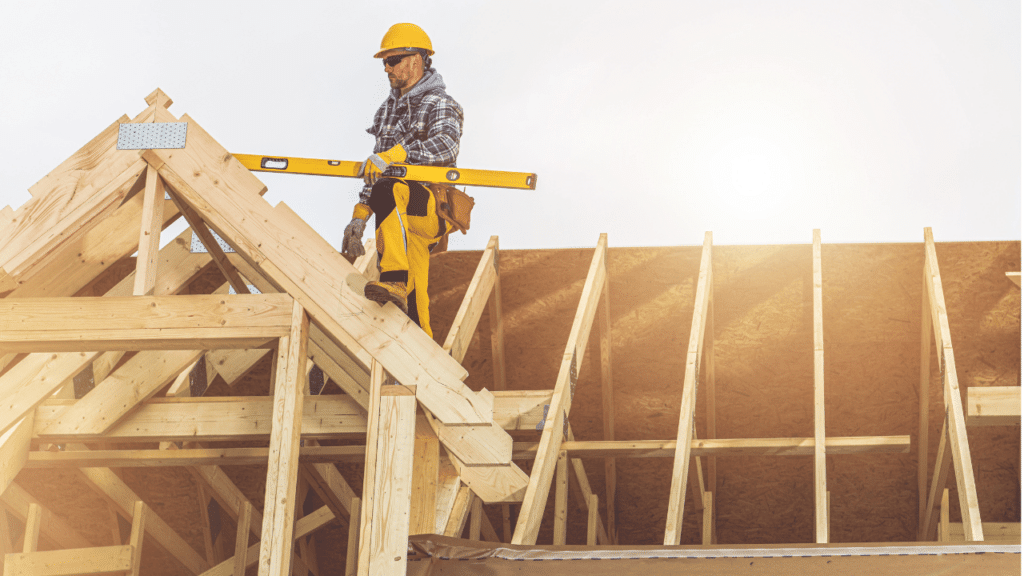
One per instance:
[(426, 121)]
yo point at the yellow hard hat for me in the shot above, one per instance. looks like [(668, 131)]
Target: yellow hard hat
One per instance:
[(405, 36)]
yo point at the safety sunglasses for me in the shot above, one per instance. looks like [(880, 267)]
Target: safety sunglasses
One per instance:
[(393, 61)]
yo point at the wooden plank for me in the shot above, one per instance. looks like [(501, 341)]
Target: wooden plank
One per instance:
[(213, 419), (944, 517), (242, 539), (1014, 277), (477, 445), (328, 483), (448, 484), (520, 409), (106, 404), (1008, 532), (233, 364), (38, 241), (493, 484), (497, 322), (193, 457), (149, 235), (820, 482), (425, 472), (94, 561), (230, 498), (592, 519), (388, 532), (709, 388), (588, 493), (604, 325), (561, 498), (142, 322), (17, 501), (472, 307), (475, 519), (118, 493), (31, 537), (543, 470), (139, 514), (681, 461), (370, 468), (924, 405), (836, 445), (993, 406), (457, 520), (352, 550), (708, 524), (966, 490), (14, 449), (283, 464)]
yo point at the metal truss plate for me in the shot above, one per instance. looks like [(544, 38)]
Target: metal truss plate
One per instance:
[(149, 136), (198, 247)]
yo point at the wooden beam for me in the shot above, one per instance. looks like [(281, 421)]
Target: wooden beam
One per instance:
[(191, 457), (31, 538), (709, 392), (820, 483), (149, 235), (604, 325), (283, 464), (425, 472), (352, 550), (388, 530), (838, 445), (233, 364), (587, 492), (370, 468), (944, 517), (139, 514), (943, 460), (242, 539), (993, 406), (966, 490), (1014, 277), (14, 450), (677, 491), (460, 512), (497, 322), (448, 484), (472, 307), (212, 419), (142, 322), (475, 519), (543, 470), (102, 560), (708, 525), (923, 404), (592, 520), (561, 498)]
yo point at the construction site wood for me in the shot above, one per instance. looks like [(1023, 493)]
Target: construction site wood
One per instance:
[(702, 354)]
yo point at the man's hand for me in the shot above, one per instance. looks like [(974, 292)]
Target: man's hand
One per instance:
[(352, 242), (376, 164)]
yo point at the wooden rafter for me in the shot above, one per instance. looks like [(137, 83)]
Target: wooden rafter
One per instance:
[(677, 493), (956, 428), (536, 495), (149, 235), (820, 488)]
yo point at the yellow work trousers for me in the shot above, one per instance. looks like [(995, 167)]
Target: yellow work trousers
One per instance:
[(407, 228)]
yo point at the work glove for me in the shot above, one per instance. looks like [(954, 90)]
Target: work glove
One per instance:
[(376, 164), (352, 242)]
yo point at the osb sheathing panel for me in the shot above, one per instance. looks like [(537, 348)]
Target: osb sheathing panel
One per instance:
[(764, 379)]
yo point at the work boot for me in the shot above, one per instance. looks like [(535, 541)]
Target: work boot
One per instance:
[(384, 292)]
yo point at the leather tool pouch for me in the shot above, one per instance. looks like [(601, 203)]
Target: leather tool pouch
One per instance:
[(453, 205)]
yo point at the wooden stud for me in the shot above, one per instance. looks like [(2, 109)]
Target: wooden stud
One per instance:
[(448, 484), (506, 523), (604, 325), (584, 484), (139, 514), (31, 537), (18, 501), (472, 307), (708, 524), (370, 467), (944, 517), (592, 519), (242, 538), (957, 431), (149, 235), (352, 551), (425, 472), (820, 484), (993, 406), (561, 402), (475, 519), (943, 461), (307, 525), (283, 464), (460, 512), (497, 323), (923, 406), (561, 498), (204, 516), (14, 449), (709, 387), (102, 560), (677, 492)]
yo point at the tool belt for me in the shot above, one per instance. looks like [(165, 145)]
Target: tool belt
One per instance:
[(454, 207)]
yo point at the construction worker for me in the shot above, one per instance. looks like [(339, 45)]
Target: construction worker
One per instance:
[(418, 123)]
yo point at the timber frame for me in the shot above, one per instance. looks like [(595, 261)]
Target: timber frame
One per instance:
[(82, 377)]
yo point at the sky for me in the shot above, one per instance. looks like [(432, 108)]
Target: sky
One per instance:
[(651, 121)]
